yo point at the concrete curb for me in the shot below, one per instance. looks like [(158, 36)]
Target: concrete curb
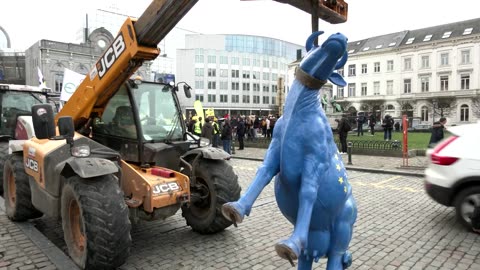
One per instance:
[(56, 256), (353, 168)]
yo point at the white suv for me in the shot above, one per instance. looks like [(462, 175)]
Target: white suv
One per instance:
[(452, 177)]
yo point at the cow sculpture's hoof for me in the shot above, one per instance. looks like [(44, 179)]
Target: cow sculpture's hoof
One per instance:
[(233, 212), (289, 250), (347, 259)]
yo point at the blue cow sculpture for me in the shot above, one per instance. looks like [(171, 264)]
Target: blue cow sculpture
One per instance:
[(311, 186)]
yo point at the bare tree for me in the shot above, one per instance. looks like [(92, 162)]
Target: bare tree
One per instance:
[(369, 105), (443, 106), (345, 104), (476, 106)]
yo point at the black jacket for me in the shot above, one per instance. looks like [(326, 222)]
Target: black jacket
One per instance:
[(437, 132)]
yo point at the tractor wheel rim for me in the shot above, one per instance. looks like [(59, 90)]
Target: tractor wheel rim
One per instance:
[(12, 189), (202, 208), (76, 223)]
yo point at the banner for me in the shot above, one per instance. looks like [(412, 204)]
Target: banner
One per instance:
[(71, 80), (199, 109), (210, 112), (41, 80)]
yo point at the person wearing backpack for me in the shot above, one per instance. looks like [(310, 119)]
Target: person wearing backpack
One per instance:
[(387, 127), (343, 128), (360, 121)]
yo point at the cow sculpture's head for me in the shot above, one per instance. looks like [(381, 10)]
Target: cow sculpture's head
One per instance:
[(321, 62)]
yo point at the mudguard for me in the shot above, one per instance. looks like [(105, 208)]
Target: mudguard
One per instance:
[(208, 153), (91, 166)]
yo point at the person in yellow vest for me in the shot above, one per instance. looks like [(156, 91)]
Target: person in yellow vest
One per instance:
[(197, 128), (216, 132)]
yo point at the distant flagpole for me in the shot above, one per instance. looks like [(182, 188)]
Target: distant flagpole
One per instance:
[(41, 80)]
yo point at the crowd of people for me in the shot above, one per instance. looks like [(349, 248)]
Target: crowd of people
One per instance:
[(224, 130)]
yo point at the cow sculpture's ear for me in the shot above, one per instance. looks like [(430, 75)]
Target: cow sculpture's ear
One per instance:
[(337, 79)]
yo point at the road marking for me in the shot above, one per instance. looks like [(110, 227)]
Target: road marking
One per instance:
[(387, 180)]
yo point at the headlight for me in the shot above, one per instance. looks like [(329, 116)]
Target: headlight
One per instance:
[(204, 142), (81, 151)]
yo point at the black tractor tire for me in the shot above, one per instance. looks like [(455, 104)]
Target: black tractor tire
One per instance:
[(18, 197), (465, 201), (220, 185), (3, 157), (95, 222)]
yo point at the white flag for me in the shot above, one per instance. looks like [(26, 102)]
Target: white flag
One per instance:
[(71, 80), (41, 80)]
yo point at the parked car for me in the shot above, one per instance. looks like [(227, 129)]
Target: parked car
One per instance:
[(421, 128), (452, 177)]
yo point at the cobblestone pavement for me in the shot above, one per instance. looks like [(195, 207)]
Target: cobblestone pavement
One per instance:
[(398, 227), (17, 251)]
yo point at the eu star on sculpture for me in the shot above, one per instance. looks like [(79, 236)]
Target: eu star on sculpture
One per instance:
[(311, 183)]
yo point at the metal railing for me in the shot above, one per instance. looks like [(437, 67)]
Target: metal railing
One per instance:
[(377, 145)]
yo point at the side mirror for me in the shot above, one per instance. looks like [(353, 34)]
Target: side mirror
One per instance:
[(66, 127), (43, 122), (187, 89)]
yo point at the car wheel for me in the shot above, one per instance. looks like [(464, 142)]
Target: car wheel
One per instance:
[(465, 202)]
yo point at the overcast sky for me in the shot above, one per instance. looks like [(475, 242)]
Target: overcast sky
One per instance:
[(29, 21)]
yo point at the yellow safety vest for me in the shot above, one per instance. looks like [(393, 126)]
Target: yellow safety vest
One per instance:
[(215, 128), (197, 129)]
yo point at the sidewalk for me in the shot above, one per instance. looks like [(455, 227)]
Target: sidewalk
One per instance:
[(23, 247), (375, 164)]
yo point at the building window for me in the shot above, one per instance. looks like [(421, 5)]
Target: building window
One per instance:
[(245, 99), (266, 76), (443, 83), (376, 88), (341, 72), (424, 84), (256, 87), (212, 98), (274, 88), (274, 100), (224, 73), (465, 56), (199, 85), (246, 61), (390, 65), (351, 70), (407, 86), (340, 92), (212, 85), (389, 87), (364, 68), (266, 88), (424, 114), (224, 60), (376, 67), (199, 72), (235, 99), (212, 72), (444, 59), (246, 74), (223, 98), (275, 64), (256, 75), (246, 86), (425, 61), (235, 86), (274, 76), (199, 59), (464, 113), (212, 59), (266, 100), (364, 89), (351, 89), (407, 64), (58, 83), (465, 82), (256, 99), (256, 62), (199, 97), (224, 85), (235, 73), (266, 63), (235, 61)]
